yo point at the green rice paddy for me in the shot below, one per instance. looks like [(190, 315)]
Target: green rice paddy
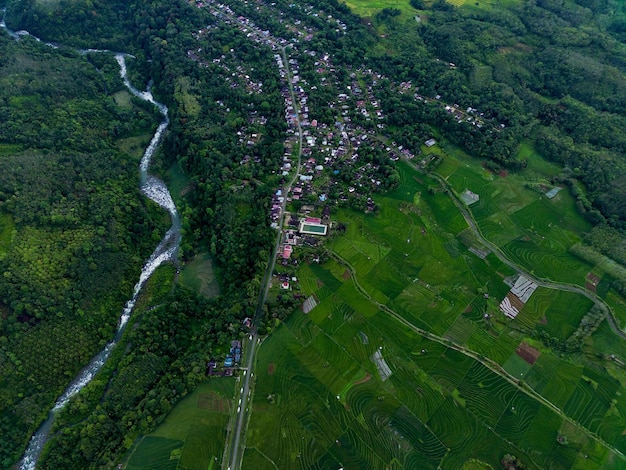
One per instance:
[(193, 435), (532, 230), (321, 400), (358, 383)]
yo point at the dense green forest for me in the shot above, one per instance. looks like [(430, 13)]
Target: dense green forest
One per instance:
[(74, 229), (55, 118), (551, 72)]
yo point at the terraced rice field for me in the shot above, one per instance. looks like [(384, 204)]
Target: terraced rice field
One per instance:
[(194, 433), (367, 424), (325, 404), (532, 230), (321, 402)]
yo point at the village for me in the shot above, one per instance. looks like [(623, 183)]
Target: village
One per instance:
[(344, 155)]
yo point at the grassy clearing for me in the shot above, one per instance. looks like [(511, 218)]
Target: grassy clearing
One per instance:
[(369, 8), (134, 146), (200, 275), (537, 166), (9, 149), (177, 182), (122, 99), (7, 232)]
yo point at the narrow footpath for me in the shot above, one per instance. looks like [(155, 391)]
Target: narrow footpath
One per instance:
[(490, 364)]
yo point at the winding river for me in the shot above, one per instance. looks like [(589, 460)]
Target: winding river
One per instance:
[(167, 251)]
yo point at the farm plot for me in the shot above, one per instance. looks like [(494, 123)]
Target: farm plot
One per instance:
[(159, 453), (539, 231), (516, 366), (414, 300), (368, 427), (466, 437), (427, 353), (497, 347), (535, 308), (607, 342), (359, 252), (560, 266), (321, 400), (406, 429), (556, 312), (540, 219), (541, 435), (391, 277), (560, 387), (369, 8), (351, 296), (330, 396), (308, 280), (461, 330), (542, 371), (564, 314), (307, 411), (519, 413), (445, 212), (254, 459), (329, 363), (355, 338), (586, 405), (486, 395), (450, 369), (611, 428), (618, 305), (303, 328), (193, 434), (417, 392)]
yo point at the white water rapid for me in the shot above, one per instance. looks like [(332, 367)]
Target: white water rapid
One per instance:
[(167, 250)]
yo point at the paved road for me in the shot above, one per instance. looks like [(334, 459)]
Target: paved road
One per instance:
[(241, 418)]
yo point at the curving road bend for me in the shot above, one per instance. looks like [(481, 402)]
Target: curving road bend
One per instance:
[(471, 222)]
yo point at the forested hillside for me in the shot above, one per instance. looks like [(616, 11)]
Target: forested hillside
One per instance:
[(73, 212), (75, 229), (550, 72)]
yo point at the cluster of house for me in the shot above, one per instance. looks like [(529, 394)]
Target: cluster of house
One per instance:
[(243, 24), (329, 149), (236, 75), (297, 27), (340, 142), (231, 361), (471, 115), (324, 144), (276, 210), (303, 231)]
